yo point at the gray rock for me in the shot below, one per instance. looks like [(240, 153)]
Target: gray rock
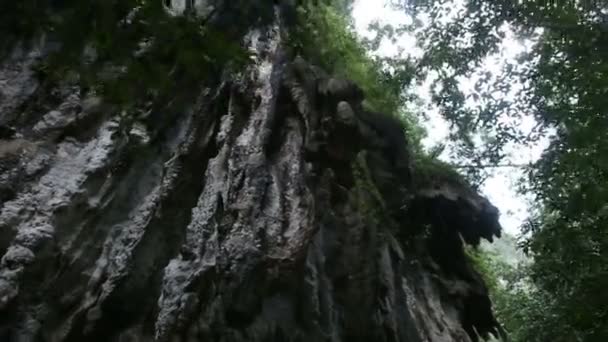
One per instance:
[(219, 224)]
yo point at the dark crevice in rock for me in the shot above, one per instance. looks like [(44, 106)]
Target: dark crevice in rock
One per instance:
[(161, 239), (7, 132), (281, 126), (45, 98)]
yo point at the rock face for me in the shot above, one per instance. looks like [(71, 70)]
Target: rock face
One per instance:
[(178, 7), (273, 207)]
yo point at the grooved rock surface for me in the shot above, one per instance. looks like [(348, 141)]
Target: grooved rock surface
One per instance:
[(272, 208)]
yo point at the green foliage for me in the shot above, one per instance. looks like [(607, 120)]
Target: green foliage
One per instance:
[(370, 202), (429, 170), (565, 86), (509, 290), (526, 311), (128, 50), (175, 51), (326, 37)]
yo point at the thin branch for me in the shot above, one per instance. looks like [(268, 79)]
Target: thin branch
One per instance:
[(489, 166)]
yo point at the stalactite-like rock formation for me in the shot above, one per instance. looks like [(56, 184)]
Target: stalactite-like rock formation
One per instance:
[(272, 207)]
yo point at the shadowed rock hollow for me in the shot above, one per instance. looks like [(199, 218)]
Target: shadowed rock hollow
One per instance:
[(268, 206)]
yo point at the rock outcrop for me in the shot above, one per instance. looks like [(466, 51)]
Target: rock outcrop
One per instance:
[(272, 207)]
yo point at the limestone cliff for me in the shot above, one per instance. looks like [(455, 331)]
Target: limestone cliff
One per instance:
[(268, 205)]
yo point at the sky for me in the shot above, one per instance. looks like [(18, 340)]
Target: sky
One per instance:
[(500, 188)]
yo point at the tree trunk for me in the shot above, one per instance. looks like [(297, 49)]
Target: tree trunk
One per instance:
[(271, 207)]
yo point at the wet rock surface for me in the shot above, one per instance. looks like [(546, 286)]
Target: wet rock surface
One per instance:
[(274, 207)]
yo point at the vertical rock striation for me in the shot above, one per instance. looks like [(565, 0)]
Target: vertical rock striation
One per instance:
[(272, 207)]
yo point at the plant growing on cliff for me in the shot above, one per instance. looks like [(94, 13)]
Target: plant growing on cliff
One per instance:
[(123, 49), (325, 35)]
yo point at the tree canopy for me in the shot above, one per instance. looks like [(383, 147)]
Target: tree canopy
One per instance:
[(562, 82)]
